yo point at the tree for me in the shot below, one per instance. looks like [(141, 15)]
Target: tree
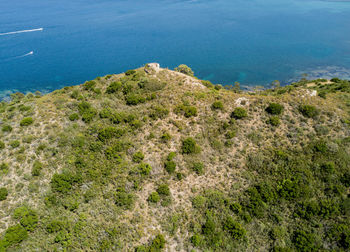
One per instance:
[(185, 70)]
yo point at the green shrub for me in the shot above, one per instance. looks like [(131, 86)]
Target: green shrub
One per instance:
[(199, 201), (14, 143), (158, 243), (144, 169), (154, 197), (235, 229), (308, 111), (14, 235), (188, 111), (124, 200), (274, 109), (36, 169), (130, 72), (73, 117), (328, 167), (6, 128), (63, 182), (304, 241), (163, 190), (292, 189), (189, 146), (30, 220), (340, 233), (2, 145), (108, 133), (170, 166), (184, 69), (89, 85), (196, 240), (217, 105), (230, 134), (134, 99), (84, 106), (207, 83), (88, 115), (239, 113), (105, 113), (114, 87), (158, 112), (307, 210), (198, 167), (138, 157), (3, 193), (26, 121), (55, 226), (4, 167), (165, 137), (209, 227), (171, 156), (274, 121)]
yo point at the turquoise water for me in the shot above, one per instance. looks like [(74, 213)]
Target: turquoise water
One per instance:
[(250, 41)]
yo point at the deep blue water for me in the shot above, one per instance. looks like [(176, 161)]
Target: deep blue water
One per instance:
[(250, 41)]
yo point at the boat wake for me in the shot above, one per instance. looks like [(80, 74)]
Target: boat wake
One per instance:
[(17, 57), (23, 31)]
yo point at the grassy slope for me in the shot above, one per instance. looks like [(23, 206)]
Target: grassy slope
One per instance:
[(256, 178)]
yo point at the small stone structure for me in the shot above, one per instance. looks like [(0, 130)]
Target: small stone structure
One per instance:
[(152, 68)]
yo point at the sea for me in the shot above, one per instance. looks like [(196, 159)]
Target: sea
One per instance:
[(48, 44)]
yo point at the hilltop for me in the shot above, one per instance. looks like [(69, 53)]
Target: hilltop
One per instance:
[(158, 160)]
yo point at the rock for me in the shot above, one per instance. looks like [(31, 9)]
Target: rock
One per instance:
[(151, 68)]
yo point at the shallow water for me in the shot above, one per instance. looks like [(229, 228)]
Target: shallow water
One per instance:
[(250, 41)]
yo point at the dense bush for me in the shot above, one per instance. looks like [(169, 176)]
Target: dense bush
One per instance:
[(144, 169), (188, 111), (158, 243), (138, 157), (114, 87), (217, 105), (163, 190), (73, 117), (2, 145), (308, 111), (4, 167), (304, 241), (64, 182), (189, 146), (6, 128), (274, 109), (165, 137), (170, 166), (239, 113), (3, 193), (184, 69), (36, 169), (274, 121), (109, 132), (154, 197), (89, 85), (26, 121), (13, 236), (196, 240), (198, 167), (134, 99), (234, 228), (124, 200), (28, 218), (130, 72), (158, 112), (14, 143)]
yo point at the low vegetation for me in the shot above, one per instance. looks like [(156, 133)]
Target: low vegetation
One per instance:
[(157, 160)]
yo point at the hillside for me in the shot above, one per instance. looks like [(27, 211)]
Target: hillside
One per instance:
[(157, 160)]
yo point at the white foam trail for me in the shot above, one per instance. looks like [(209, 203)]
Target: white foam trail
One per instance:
[(24, 55), (23, 31)]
